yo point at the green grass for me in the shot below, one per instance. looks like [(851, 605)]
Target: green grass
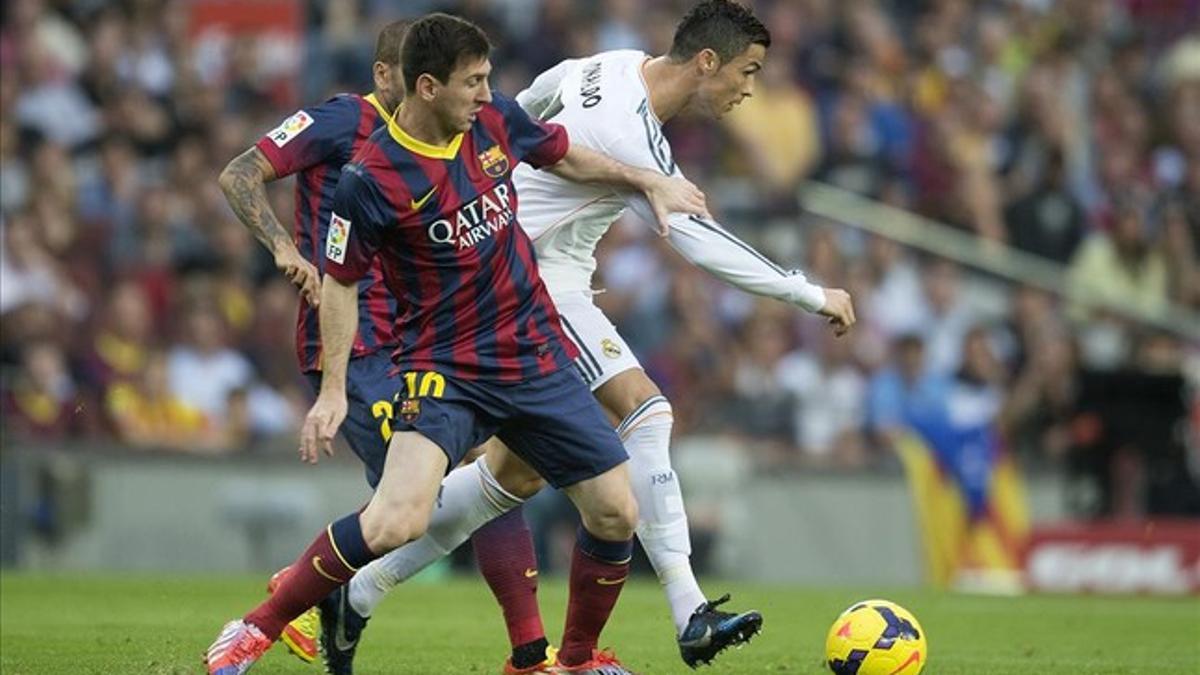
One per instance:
[(155, 624)]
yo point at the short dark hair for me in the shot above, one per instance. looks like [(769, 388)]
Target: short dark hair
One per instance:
[(387, 46), (437, 44), (723, 26)]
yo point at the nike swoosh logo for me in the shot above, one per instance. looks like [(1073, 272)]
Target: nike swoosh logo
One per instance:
[(316, 563), (702, 641), (915, 657), (417, 204), (343, 643), (611, 582), (530, 573)]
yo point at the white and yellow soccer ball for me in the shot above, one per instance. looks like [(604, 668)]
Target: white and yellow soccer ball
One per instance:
[(876, 637)]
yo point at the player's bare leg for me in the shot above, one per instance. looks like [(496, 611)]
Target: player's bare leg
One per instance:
[(475, 494), (398, 512), (645, 429), (599, 567)]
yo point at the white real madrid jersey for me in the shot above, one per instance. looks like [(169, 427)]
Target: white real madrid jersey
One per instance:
[(604, 105)]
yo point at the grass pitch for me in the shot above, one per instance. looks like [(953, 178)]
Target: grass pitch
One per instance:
[(156, 624)]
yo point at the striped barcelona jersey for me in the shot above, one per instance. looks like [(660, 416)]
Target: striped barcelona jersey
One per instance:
[(315, 143), (443, 221)]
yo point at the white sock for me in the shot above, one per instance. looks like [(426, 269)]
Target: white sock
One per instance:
[(662, 526), (470, 497)]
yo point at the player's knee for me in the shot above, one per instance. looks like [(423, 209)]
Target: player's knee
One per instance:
[(393, 526), (614, 519), (513, 475), (523, 486), (627, 392)]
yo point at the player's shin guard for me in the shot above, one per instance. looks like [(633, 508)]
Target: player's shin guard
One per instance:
[(598, 572), (470, 497), (662, 524), (328, 562)]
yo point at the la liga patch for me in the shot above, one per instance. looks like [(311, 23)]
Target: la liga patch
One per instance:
[(335, 242), (291, 128)]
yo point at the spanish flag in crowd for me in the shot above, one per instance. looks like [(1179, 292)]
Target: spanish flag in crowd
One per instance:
[(970, 504)]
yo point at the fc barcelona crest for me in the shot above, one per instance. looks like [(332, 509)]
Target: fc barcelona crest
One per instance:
[(410, 409), (494, 162)]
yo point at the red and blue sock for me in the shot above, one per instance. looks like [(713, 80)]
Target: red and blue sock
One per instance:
[(328, 562), (504, 553), (598, 572)]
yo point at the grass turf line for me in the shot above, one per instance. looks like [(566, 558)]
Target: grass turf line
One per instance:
[(159, 624)]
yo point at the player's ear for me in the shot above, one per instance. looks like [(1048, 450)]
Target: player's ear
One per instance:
[(379, 70), (427, 86), (707, 61)]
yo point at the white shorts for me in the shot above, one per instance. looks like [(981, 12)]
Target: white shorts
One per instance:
[(603, 352)]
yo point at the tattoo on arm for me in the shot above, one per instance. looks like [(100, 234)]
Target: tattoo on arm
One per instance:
[(244, 183)]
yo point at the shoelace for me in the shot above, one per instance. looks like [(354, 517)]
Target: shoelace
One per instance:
[(710, 606)]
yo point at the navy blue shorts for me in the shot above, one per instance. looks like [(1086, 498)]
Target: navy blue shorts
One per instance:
[(551, 422), (369, 392)]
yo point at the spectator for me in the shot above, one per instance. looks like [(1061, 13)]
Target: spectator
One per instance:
[(30, 275), (1039, 413), (777, 130), (42, 402), (1121, 268), (119, 349), (203, 371), (148, 416), (761, 405), (829, 402), (906, 393), (949, 318), (1048, 222)]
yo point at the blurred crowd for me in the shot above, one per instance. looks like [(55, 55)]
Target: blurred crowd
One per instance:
[(135, 307)]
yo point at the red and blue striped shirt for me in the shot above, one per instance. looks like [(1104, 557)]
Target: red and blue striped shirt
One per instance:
[(315, 143), (443, 221)]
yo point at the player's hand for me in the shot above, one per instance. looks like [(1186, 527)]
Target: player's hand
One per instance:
[(301, 273), (669, 195), (320, 426), (839, 310)]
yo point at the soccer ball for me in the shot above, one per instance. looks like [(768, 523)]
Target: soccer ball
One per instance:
[(876, 637)]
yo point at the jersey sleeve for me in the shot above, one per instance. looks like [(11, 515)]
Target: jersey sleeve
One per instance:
[(542, 99), (701, 241), (710, 247), (312, 136), (536, 143), (354, 226)]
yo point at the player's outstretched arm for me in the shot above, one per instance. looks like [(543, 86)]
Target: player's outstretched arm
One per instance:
[(665, 194), (244, 181), (709, 246), (339, 321)]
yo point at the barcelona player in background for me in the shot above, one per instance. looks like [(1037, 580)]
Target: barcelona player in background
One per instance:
[(481, 350)]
